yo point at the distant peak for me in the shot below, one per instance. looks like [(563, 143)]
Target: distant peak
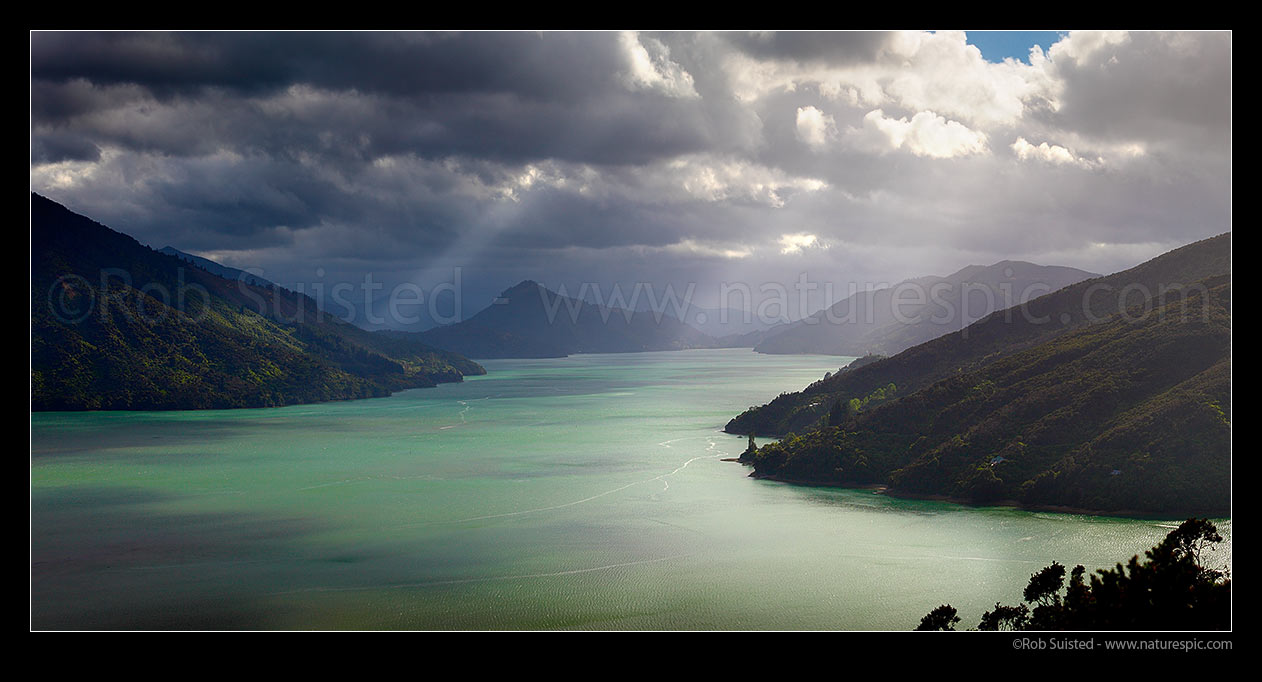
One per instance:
[(524, 286), (1009, 268)]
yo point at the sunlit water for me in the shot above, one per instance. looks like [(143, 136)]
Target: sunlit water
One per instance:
[(584, 492)]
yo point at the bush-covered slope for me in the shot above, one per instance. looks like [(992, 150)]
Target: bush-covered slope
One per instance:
[(1131, 412), (116, 325), (1002, 333)]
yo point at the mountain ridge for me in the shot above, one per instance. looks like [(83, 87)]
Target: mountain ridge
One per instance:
[(886, 322), (216, 268), (529, 320), (1112, 412), (117, 325)]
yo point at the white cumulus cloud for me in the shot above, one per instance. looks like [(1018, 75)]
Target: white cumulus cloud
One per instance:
[(649, 67), (926, 134), (1049, 153), (794, 243), (814, 127), (916, 71), (693, 247), (1082, 46), (715, 180)]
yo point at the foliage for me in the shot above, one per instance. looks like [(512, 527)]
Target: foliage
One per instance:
[(161, 333), (1171, 589), (942, 618), (1128, 413), (861, 361), (1044, 587), (1004, 333), (1005, 618)]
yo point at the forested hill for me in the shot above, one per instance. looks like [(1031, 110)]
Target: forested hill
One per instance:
[(217, 269), (529, 321), (1002, 333), (1123, 411), (117, 325)]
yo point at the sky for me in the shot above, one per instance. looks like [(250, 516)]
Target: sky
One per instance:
[(481, 159), (997, 46)]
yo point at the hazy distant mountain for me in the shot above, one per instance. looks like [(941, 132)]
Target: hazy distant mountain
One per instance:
[(216, 268), (1111, 394), (716, 322), (890, 320), (117, 325), (529, 320), (720, 322)]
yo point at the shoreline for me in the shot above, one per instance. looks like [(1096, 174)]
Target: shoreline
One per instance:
[(390, 392), (884, 489)]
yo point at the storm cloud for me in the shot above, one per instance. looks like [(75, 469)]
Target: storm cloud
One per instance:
[(623, 156)]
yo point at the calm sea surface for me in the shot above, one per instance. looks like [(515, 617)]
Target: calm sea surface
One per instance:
[(583, 493)]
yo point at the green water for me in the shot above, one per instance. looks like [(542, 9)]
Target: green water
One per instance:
[(584, 492)]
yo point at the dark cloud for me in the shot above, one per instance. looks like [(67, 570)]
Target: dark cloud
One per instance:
[(61, 146), (56, 103), (555, 219), (404, 64), (836, 48), (246, 200), (509, 96), (618, 129), (598, 156)]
